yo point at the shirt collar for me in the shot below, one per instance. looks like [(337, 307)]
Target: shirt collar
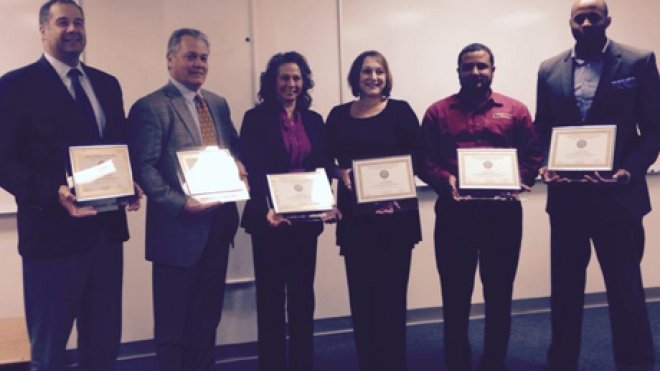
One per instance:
[(62, 68), (582, 61), (188, 94)]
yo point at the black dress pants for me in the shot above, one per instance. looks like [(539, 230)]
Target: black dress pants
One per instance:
[(188, 306), (85, 287), (378, 284), (618, 240), (488, 233), (284, 268)]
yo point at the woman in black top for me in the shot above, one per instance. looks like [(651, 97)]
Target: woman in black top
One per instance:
[(377, 239), (280, 135)]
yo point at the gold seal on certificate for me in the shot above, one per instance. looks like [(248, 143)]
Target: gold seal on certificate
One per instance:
[(210, 175), (488, 168), (384, 179), (582, 148), (101, 175), (308, 193)]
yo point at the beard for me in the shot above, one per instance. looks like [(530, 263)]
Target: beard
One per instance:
[(589, 36), (475, 86)]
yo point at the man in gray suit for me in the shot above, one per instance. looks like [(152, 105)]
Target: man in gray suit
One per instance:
[(187, 241), (600, 82)]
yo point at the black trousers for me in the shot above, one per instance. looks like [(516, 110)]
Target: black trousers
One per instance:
[(284, 268), (378, 284), (188, 306), (467, 233), (618, 240), (85, 287)]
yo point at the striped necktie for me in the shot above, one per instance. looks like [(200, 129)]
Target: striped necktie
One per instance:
[(206, 128)]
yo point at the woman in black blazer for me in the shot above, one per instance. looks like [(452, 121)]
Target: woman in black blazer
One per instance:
[(280, 135)]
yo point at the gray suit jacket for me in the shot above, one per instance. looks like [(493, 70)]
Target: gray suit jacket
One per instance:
[(628, 96), (161, 124)]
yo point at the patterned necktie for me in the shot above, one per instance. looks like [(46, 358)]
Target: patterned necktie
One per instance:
[(206, 128), (83, 101)]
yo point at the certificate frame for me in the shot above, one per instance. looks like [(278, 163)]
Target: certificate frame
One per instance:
[(488, 169), (301, 192), (592, 148), (210, 174), (384, 179), (101, 172)]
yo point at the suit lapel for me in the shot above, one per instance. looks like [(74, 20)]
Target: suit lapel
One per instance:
[(181, 108), (566, 74), (611, 64), (62, 102)]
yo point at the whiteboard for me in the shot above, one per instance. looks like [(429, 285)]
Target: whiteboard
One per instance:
[(421, 40)]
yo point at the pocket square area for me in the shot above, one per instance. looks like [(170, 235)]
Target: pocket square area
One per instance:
[(627, 83)]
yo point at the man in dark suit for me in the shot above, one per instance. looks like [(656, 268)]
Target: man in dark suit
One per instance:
[(600, 82), (187, 241), (72, 255)]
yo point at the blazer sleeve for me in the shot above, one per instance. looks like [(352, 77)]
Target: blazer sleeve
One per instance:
[(647, 117), (29, 186), (148, 145), (543, 119)]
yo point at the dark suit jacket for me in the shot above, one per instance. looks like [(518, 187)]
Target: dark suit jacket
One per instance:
[(263, 152), (162, 124), (628, 96), (39, 120)]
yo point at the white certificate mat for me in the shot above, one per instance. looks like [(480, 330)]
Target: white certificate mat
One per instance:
[(300, 192), (488, 168), (582, 148), (384, 179), (211, 175), (100, 172)]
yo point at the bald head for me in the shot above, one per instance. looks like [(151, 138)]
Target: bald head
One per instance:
[(589, 21), (594, 4)]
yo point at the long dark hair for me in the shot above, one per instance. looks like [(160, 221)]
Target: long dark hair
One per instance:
[(267, 94)]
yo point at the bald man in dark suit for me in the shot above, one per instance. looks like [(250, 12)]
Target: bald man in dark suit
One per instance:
[(600, 82)]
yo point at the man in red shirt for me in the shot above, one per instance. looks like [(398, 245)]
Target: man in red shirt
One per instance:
[(477, 117)]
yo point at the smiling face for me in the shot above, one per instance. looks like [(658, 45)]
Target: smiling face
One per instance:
[(589, 20), (63, 36), (289, 83), (476, 72), (373, 77), (188, 63)]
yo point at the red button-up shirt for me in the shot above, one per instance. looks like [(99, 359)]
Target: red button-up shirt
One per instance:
[(499, 122)]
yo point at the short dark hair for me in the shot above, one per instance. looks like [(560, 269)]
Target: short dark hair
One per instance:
[(356, 68), (175, 39), (475, 47), (44, 11), (267, 90)]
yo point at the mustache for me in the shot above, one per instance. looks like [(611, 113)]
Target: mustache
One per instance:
[(73, 36)]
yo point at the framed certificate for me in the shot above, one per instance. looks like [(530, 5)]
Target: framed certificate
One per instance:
[(307, 192), (210, 174), (582, 148), (384, 179), (101, 172), (488, 168)]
